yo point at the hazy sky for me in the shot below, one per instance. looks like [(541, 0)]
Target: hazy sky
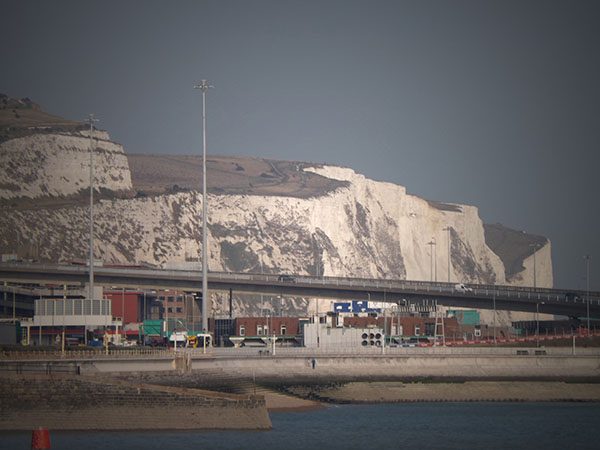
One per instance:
[(494, 104)]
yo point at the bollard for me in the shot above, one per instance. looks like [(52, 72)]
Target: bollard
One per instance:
[(40, 439)]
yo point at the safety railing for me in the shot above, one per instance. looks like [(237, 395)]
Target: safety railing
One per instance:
[(82, 354)]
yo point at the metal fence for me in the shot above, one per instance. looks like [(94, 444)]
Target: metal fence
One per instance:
[(262, 352), (140, 353)]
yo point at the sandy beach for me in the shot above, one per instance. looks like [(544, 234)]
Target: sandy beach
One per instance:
[(282, 402), (384, 392)]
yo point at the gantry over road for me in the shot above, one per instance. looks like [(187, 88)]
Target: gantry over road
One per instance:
[(570, 303)]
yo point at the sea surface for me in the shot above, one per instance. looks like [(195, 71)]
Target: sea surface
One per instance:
[(376, 427)]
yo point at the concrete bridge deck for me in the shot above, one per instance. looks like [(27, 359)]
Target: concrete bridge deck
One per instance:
[(572, 303)]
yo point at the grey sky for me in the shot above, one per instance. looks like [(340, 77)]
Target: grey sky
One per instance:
[(495, 104)]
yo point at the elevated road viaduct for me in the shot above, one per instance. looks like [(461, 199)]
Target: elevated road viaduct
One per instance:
[(571, 303)]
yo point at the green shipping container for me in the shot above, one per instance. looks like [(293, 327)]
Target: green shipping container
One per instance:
[(153, 327)]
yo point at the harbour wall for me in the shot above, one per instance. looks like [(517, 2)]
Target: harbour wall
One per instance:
[(320, 367), (283, 369), (71, 402)]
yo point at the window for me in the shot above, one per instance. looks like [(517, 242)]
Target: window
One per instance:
[(283, 329), (170, 309), (170, 299), (242, 330), (259, 330), (178, 309), (417, 330)]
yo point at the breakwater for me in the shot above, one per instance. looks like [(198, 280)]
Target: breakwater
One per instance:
[(70, 402)]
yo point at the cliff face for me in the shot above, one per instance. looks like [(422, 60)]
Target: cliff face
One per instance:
[(55, 165), (358, 228)]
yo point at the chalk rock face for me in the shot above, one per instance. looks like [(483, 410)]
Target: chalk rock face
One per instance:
[(57, 165), (362, 228)]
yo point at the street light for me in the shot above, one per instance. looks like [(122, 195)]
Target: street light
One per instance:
[(537, 326), (123, 310), (494, 300), (91, 120), (204, 86), (433, 261), (448, 228), (587, 289), (535, 249)]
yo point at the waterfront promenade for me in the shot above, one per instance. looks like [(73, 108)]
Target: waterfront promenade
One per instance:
[(320, 365)]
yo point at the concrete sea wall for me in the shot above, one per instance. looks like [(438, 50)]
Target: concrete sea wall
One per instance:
[(291, 365), (326, 368), (70, 402)]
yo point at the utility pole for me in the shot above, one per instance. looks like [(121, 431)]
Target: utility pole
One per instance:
[(204, 86), (91, 120)]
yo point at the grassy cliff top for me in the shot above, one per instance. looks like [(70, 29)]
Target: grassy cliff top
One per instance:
[(156, 174)]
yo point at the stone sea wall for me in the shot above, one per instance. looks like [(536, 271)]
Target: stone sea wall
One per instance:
[(82, 403)]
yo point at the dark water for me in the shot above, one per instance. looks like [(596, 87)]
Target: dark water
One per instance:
[(376, 427)]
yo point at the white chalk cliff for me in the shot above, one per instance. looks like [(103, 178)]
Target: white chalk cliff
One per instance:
[(364, 228)]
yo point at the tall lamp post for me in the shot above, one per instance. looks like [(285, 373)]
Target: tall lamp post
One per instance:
[(535, 249), (494, 301), (448, 228), (433, 262), (91, 120), (123, 312), (204, 86), (537, 323), (587, 289)]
